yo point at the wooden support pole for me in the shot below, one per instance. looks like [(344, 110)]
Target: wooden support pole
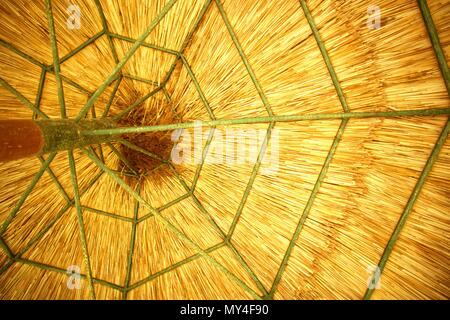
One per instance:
[(19, 139), (26, 138)]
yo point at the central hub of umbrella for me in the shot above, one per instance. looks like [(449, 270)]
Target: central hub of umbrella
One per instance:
[(157, 145)]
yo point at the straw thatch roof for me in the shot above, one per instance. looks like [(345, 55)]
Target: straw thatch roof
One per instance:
[(349, 193)]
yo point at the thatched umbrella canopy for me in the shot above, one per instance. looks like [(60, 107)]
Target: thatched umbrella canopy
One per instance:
[(344, 195)]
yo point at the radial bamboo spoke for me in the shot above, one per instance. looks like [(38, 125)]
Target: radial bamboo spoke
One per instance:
[(56, 61), (123, 159), (435, 42), (145, 44), (187, 40), (287, 118), (174, 266), (37, 102), (27, 192), (125, 59), (111, 97), (308, 207), (22, 99), (409, 206), (170, 226), (238, 46), (106, 31), (22, 54), (256, 167), (52, 222), (55, 180), (87, 263), (179, 57), (325, 55), (123, 113), (132, 243), (6, 248), (81, 47), (47, 267)]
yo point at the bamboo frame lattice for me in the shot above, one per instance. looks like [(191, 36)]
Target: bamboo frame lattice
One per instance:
[(115, 78)]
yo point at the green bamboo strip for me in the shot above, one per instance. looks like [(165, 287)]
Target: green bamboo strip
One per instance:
[(308, 207), (40, 265), (203, 210), (159, 166), (81, 47), (174, 266), (76, 85), (73, 174), (92, 149), (44, 230), (21, 98), (410, 204), (163, 207), (228, 243), (6, 248), (99, 146), (131, 77), (56, 66), (145, 44), (27, 192), (52, 222), (198, 88), (188, 39), (325, 56), (170, 226), (106, 31), (124, 173), (6, 266), (166, 95), (22, 54), (121, 114), (171, 70), (141, 150), (179, 177), (47, 267), (173, 202), (247, 268), (70, 82), (111, 98), (55, 180), (93, 112), (434, 37), (132, 243), (40, 90), (169, 100), (244, 59), (200, 17), (286, 118), (207, 215), (102, 157), (122, 158), (125, 59), (204, 155), (256, 167), (107, 214)]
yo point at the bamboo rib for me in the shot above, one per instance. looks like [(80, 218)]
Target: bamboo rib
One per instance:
[(358, 113)]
